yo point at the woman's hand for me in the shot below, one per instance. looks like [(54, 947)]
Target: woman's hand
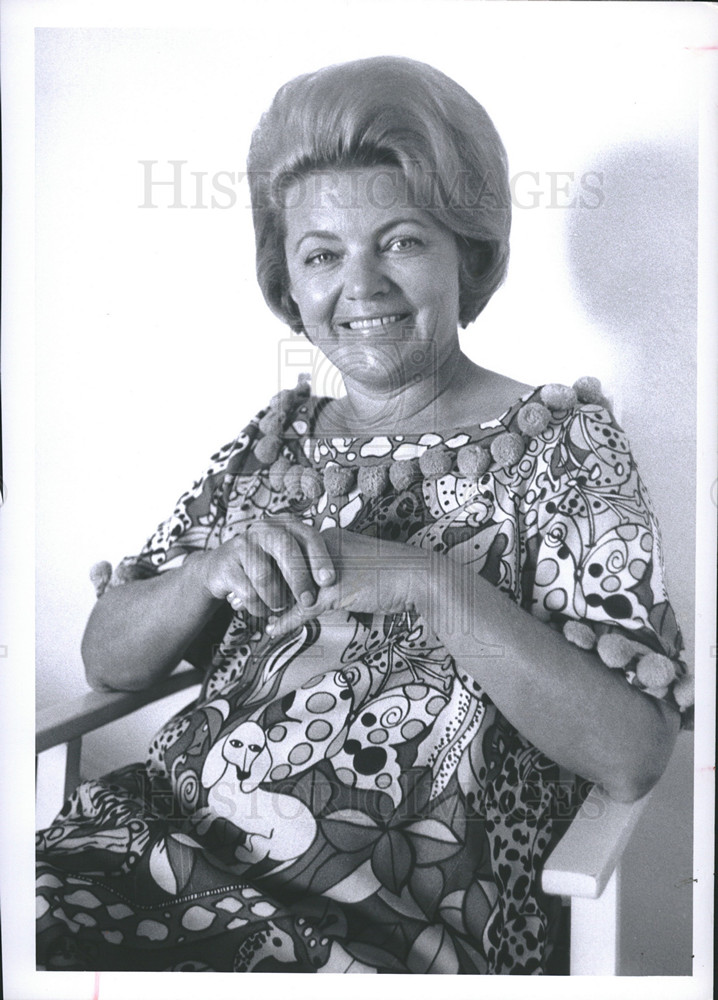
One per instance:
[(274, 564), (371, 575)]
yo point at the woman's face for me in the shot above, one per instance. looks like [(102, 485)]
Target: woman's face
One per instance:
[(375, 279)]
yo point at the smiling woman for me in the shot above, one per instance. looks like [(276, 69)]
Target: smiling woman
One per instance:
[(376, 282), (430, 613), (383, 112)]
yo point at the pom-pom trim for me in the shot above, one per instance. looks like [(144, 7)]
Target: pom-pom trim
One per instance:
[(533, 419), (507, 449), (436, 462), (471, 460)]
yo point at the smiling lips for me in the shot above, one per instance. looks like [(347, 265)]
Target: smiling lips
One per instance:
[(373, 322)]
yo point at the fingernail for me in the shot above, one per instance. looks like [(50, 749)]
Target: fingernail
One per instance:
[(325, 575), (306, 599)]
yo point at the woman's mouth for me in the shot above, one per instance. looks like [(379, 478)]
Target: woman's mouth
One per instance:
[(373, 322)]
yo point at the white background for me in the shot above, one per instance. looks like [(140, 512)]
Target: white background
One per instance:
[(154, 346)]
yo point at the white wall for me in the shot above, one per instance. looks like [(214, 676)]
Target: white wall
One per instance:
[(154, 345)]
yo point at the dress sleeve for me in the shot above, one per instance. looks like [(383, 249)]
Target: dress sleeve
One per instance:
[(199, 518), (207, 513), (592, 561)]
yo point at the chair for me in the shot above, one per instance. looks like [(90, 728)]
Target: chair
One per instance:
[(584, 867)]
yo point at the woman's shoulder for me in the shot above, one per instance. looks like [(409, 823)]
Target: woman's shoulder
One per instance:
[(539, 425), (499, 399), (499, 393)]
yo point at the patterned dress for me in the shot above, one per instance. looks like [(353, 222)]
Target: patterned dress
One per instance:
[(338, 800)]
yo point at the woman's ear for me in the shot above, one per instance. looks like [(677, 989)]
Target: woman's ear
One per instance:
[(295, 319), (289, 310), (475, 257)]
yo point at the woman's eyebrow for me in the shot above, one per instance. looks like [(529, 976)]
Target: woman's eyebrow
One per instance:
[(402, 220), (321, 234), (326, 234)]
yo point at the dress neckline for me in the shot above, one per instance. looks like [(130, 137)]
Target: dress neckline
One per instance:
[(312, 407)]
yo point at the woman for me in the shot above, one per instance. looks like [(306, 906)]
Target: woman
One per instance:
[(406, 601)]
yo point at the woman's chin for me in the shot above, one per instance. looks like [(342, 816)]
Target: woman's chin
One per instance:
[(381, 370), (376, 381)]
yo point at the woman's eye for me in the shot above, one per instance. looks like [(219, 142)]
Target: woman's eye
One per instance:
[(403, 243), (319, 257)]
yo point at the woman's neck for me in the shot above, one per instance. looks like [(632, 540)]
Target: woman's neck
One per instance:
[(416, 405), (458, 394)]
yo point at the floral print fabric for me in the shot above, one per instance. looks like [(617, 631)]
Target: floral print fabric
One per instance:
[(339, 800)]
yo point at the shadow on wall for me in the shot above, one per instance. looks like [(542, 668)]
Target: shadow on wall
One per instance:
[(633, 264), (633, 261)]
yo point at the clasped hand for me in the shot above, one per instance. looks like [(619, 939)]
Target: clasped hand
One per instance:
[(287, 572)]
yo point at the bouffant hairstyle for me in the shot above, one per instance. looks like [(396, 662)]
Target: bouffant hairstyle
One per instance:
[(378, 112)]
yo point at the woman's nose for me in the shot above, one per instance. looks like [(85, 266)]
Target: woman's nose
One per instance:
[(364, 277)]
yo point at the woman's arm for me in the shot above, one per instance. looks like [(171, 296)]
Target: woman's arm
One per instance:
[(564, 700), (138, 632)]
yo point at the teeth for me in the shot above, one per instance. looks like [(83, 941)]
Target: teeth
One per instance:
[(368, 324)]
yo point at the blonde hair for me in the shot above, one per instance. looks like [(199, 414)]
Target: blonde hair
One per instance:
[(386, 111)]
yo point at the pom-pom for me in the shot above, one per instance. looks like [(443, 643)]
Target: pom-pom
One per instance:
[(580, 634), (270, 423), (655, 670), (100, 576), (267, 448), (277, 472), (436, 461), (558, 397), (473, 460), (312, 484), (124, 572), (684, 691), (507, 449), (338, 480), (588, 390), (404, 474), (533, 419), (293, 481), (617, 651), (657, 692), (373, 479), (282, 401), (304, 384)]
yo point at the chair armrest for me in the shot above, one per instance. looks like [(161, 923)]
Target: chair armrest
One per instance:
[(69, 720), (586, 856)]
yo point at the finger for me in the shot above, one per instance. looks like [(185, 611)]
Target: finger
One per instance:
[(288, 621), (320, 560), (291, 561), (327, 599), (235, 601), (230, 582), (318, 553), (263, 574), (242, 594)]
